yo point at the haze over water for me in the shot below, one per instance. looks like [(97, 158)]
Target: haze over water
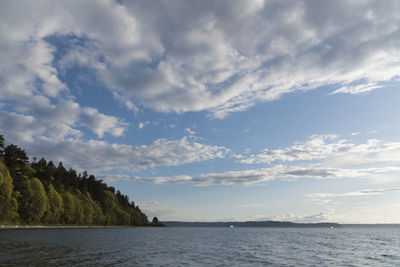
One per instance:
[(189, 246)]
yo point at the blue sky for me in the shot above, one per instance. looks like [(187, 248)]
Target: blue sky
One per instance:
[(213, 110)]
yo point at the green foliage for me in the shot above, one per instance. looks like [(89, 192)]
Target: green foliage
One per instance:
[(56, 207), (78, 218), (8, 203), (69, 208), (58, 195), (37, 202), (122, 217), (15, 157)]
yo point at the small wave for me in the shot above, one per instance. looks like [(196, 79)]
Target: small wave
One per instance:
[(389, 256)]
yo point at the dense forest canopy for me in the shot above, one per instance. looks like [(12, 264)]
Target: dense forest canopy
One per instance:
[(40, 192)]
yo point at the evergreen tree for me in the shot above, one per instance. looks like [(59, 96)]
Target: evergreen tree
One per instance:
[(8, 203), (155, 220), (16, 160), (15, 157), (1, 145)]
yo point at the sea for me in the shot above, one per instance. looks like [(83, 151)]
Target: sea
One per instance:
[(203, 246)]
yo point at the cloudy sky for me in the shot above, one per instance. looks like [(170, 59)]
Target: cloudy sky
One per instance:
[(213, 110)]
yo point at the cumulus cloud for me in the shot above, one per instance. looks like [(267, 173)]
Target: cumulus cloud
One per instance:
[(126, 102), (333, 150), (225, 62), (55, 120), (20, 128), (315, 148), (97, 156), (31, 77), (180, 56), (38, 117), (101, 124)]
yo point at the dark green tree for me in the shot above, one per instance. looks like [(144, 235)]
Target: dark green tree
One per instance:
[(1, 145), (15, 157), (16, 160), (155, 220)]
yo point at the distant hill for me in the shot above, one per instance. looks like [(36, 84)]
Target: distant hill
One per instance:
[(372, 225), (252, 224)]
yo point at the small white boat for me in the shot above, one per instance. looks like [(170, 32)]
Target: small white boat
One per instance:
[(231, 226)]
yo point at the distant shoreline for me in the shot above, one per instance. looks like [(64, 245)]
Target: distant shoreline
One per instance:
[(262, 224), (270, 224)]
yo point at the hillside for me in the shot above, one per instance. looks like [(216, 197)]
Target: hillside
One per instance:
[(39, 192)]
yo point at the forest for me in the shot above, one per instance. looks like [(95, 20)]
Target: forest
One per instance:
[(41, 193)]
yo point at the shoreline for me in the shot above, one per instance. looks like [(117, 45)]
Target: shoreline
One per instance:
[(65, 226)]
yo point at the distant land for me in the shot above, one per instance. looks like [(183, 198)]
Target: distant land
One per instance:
[(372, 225), (252, 224)]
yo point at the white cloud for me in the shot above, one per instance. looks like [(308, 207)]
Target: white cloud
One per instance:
[(31, 74), (253, 176), (59, 118), (190, 131), (333, 151), (96, 156), (143, 124), (19, 128), (229, 61), (358, 89), (364, 192), (114, 177), (101, 124), (126, 102), (37, 116), (26, 66), (316, 147), (55, 120), (183, 56)]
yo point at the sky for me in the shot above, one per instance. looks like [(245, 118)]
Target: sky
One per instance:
[(213, 110)]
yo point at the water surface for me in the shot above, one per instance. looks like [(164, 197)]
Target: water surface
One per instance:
[(201, 247)]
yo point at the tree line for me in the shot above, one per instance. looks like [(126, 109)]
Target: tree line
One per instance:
[(40, 192)]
